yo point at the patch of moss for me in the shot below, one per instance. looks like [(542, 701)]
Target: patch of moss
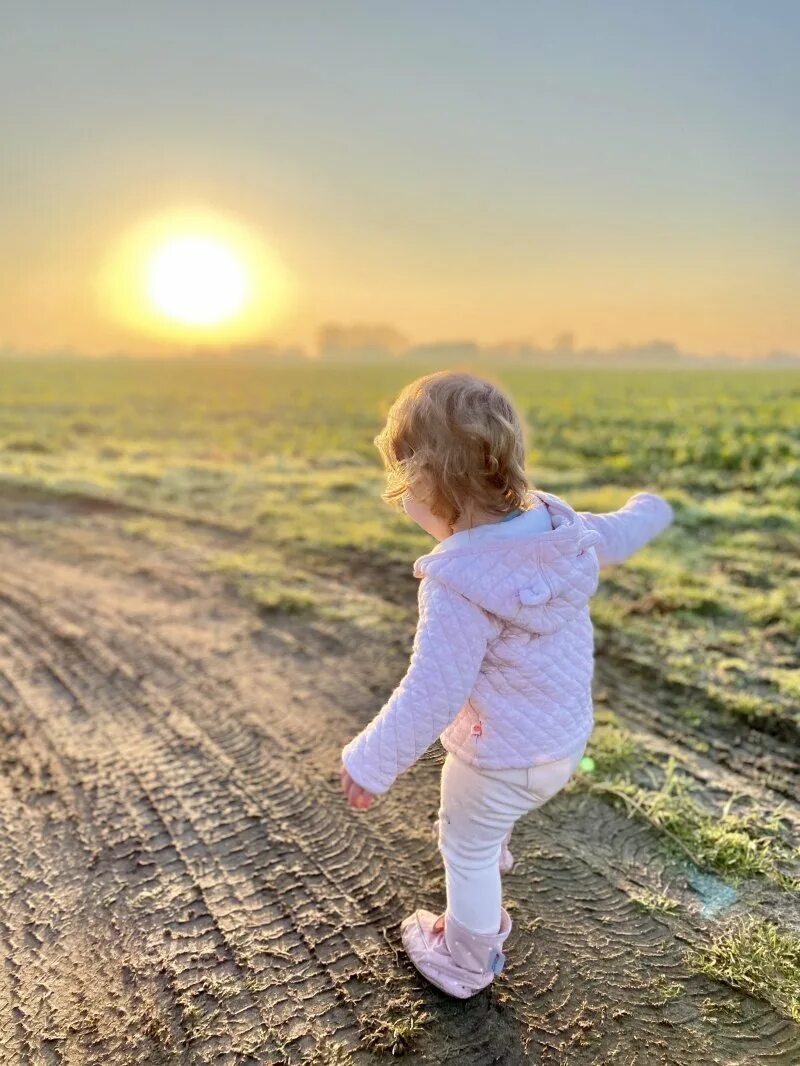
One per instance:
[(757, 957)]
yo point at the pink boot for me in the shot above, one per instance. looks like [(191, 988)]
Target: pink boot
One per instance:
[(506, 858), (457, 961)]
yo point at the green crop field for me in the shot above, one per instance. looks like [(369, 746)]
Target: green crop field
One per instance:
[(259, 485), (285, 455)]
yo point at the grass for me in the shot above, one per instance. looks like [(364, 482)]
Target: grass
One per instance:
[(732, 844), (612, 748), (654, 901), (755, 956), (276, 584), (328, 1055), (262, 577), (396, 1036), (661, 991)]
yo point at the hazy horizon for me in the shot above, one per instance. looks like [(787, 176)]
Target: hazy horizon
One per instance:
[(563, 351)]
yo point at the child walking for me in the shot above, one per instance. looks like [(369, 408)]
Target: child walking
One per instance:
[(502, 661)]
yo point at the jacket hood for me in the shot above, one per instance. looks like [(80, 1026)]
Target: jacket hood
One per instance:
[(537, 579)]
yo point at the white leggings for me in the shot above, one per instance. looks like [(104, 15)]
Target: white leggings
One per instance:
[(478, 809)]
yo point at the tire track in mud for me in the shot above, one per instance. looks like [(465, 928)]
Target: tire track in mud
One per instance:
[(164, 778), (233, 910), (162, 765), (56, 895)]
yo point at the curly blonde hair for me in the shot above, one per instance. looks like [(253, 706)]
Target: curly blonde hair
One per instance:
[(456, 441)]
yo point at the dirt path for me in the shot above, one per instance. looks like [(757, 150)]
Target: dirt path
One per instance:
[(181, 882)]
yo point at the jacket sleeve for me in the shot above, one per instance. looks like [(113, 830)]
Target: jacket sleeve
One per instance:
[(624, 532), (449, 645)]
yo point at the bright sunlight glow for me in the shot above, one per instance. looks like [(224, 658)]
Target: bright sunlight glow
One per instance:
[(190, 278), (197, 280)]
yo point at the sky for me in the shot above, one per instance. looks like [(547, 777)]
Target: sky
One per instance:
[(492, 171)]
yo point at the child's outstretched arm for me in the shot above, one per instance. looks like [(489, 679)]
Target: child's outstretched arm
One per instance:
[(449, 645), (624, 532)]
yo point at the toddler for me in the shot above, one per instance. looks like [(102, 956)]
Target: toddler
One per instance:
[(502, 659)]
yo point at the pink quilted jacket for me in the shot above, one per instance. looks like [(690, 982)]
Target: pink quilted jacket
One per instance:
[(503, 654)]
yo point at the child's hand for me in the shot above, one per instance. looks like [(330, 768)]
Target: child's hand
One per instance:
[(358, 797)]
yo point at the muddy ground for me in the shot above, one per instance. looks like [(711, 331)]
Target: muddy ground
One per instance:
[(182, 882)]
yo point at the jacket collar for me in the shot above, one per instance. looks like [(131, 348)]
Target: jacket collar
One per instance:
[(494, 535)]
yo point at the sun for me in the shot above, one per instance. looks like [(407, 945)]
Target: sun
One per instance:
[(193, 278), (197, 280)]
